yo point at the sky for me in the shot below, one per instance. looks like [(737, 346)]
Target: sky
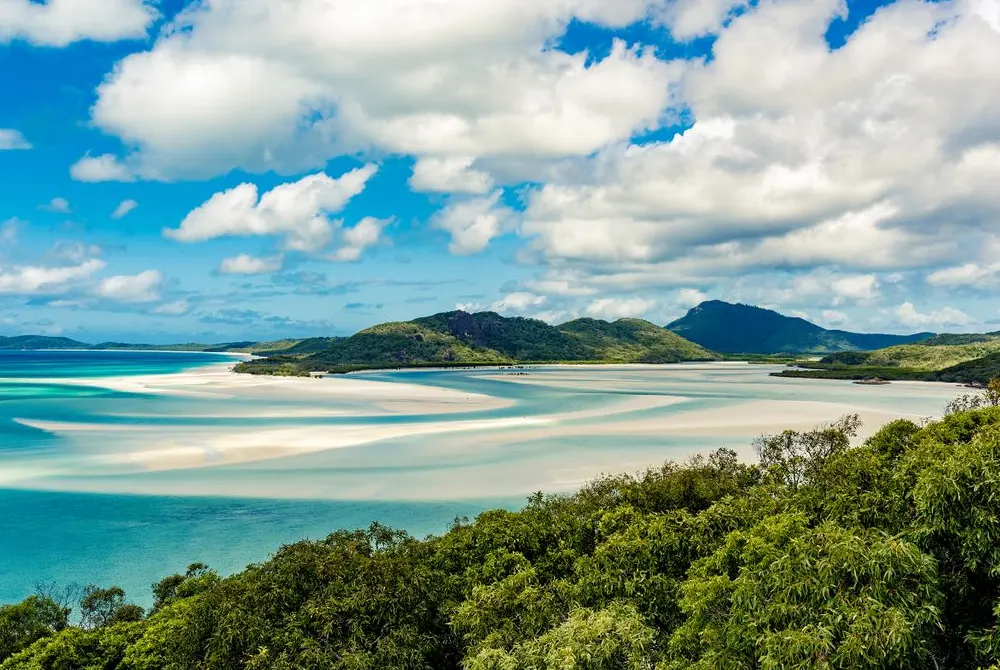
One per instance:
[(222, 170)]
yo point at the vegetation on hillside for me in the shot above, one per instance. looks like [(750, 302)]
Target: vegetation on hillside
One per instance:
[(745, 329), (820, 556), (459, 338), (962, 358), (39, 342)]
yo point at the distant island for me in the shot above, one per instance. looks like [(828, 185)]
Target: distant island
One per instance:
[(744, 329), (713, 330)]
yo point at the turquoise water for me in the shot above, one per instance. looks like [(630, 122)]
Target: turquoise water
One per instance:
[(108, 480)]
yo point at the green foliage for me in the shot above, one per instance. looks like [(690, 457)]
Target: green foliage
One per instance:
[(459, 338), (883, 555), (633, 341), (25, 623), (106, 607)]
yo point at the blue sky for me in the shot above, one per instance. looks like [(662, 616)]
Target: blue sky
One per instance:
[(250, 169)]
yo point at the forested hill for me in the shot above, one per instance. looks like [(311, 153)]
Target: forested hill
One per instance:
[(744, 329), (39, 342), (967, 358), (882, 556), (461, 338)]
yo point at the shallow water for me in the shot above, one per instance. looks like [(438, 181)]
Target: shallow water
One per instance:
[(204, 494)]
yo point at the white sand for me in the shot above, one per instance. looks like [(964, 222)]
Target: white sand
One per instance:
[(449, 456), (216, 381)]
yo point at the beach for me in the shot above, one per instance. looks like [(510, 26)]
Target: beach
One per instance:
[(431, 435)]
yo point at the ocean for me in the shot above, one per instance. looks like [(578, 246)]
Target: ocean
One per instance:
[(123, 467)]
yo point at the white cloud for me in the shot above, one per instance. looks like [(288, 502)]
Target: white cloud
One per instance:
[(688, 19), (299, 211), (946, 316), (449, 175), (690, 297), (865, 158), (432, 78), (58, 23), (250, 265), (140, 288), (124, 207), (58, 206), (619, 308), (176, 308), (519, 303), (11, 140), (968, 274), (474, 222), (105, 167), (860, 288), (355, 240), (834, 317), (41, 280)]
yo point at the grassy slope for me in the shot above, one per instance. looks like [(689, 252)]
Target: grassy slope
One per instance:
[(971, 358), (633, 341)]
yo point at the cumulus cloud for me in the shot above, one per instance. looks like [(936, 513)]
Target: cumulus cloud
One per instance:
[(450, 175), (835, 317), (360, 236), (864, 158), (519, 303), (860, 288), (433, 78), (473, 222), (175, 308), (11, 140), (297, 211), (968, 274), (140, 288), (690, 297), (123, 209), (42, 280), (619, 308), (105, 167), (688, 19), (946, 316), (250, 265), (58, 23)]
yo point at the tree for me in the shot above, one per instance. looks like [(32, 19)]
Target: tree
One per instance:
[(29, 621), (784, 595), (794, 456), (104, 607)]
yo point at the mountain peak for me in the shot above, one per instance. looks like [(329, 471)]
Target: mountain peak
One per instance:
[(748, 329)]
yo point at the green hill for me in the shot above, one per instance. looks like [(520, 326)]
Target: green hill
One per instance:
[(486, 338), (744, 329), (967, 358), (633, 341), (39, 342)]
